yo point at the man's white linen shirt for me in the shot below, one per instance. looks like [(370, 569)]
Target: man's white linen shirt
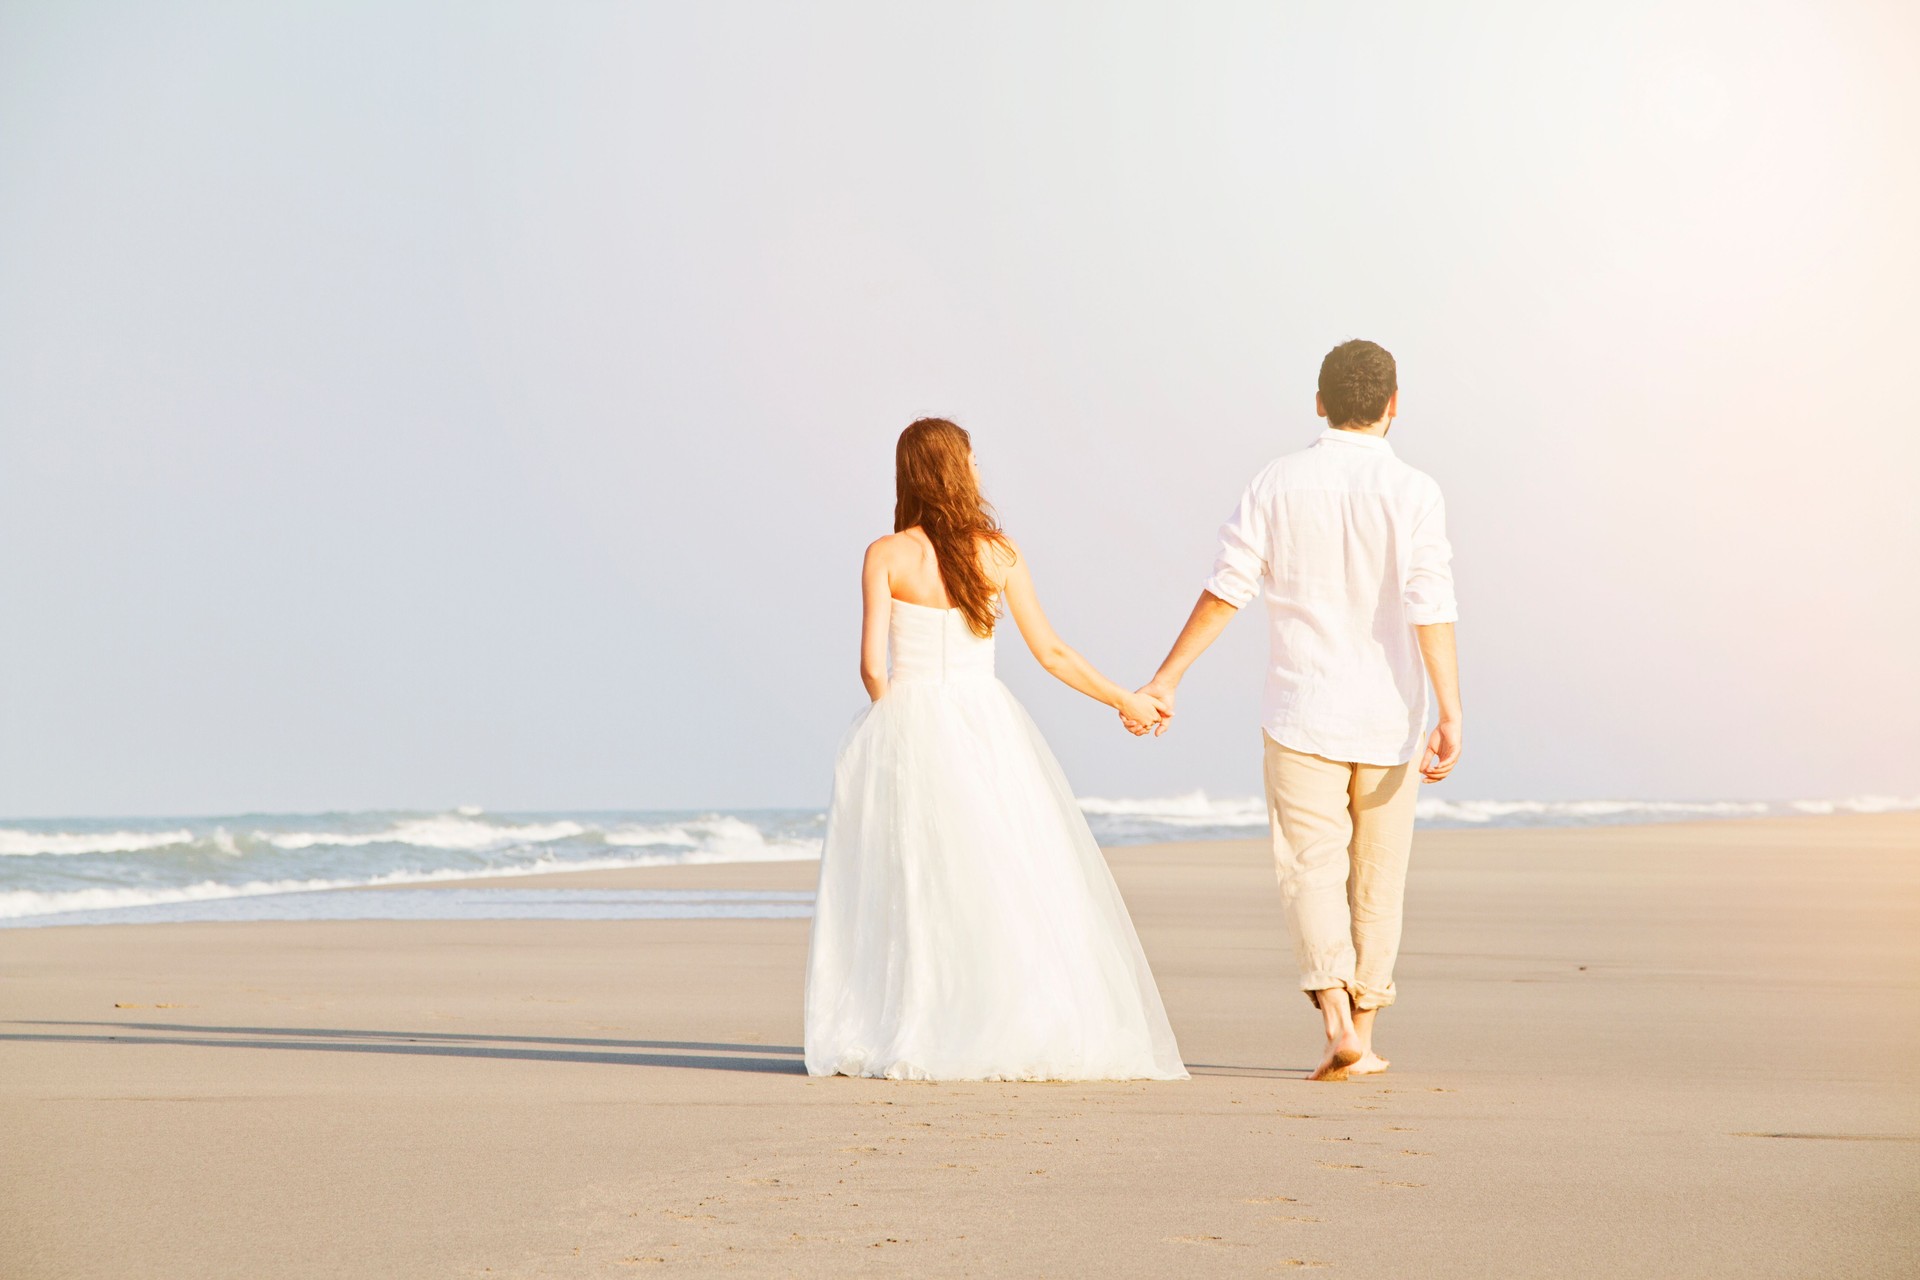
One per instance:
[(1349, 546)]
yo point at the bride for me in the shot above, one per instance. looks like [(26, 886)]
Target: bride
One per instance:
[(966, 926)]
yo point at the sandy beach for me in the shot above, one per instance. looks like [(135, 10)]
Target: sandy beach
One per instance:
[(1688, 1050)]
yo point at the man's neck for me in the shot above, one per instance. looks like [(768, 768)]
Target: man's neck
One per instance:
[(1369, 429)]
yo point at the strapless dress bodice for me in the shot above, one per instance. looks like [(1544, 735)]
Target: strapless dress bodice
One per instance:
[(936, 645)]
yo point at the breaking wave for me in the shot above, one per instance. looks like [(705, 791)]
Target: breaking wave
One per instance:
[(28, 844), (57, 868)]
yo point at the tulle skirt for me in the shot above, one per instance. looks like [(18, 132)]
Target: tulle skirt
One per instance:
[(967, 927)]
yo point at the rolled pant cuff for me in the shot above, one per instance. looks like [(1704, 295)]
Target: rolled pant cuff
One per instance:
[(1365, 998), (1316, 981)]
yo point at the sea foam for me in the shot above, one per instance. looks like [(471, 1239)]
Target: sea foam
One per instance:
[(26, 902), (29, 844), (446, 831)]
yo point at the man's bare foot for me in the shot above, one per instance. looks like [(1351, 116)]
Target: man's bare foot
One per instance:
[(1370, 1064), (1341, 1055)]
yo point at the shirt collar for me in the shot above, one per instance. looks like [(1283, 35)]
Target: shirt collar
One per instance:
[(1354, 437)]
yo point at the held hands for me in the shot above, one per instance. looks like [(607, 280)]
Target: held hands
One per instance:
[(1144, 713), (1443, 751), (1148, 710)]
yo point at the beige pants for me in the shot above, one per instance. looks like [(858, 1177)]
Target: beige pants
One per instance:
[(1341, 836)]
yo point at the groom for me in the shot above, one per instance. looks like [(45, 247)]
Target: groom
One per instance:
[(1348, 545)]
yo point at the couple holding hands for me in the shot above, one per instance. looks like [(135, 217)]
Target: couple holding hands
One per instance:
[(966, 926)]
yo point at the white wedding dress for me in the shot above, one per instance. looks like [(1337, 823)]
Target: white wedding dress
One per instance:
[(967, 927)]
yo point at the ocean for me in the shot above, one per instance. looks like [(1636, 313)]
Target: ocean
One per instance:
[(305, 866)]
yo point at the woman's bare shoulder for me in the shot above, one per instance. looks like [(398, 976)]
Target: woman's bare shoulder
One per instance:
[(890, 546)]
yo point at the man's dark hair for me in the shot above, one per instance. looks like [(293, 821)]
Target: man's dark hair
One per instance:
[(1356, 380)]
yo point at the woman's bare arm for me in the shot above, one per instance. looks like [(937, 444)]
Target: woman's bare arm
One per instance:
[(876, 597)]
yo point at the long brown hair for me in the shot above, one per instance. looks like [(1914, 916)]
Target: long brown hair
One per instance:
[(935, 489)]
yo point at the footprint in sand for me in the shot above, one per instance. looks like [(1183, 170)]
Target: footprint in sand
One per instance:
[(1270, 1200)]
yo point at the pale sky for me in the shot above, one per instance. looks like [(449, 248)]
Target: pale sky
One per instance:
[(420, 404)]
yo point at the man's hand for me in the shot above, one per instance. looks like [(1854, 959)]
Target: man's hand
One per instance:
[(1160, 694), (1443, 750)]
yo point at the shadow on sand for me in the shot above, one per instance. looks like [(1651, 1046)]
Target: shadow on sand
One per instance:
[(1246, 1073), (774, 1059)]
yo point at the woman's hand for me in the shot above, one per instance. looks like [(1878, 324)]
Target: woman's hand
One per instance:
[(1142, 711)]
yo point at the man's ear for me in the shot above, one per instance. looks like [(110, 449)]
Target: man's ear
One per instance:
[(1393, 404), (1319, 409)]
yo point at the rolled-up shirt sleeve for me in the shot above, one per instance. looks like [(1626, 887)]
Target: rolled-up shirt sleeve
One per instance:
[(1429, 590), (1243, 556)]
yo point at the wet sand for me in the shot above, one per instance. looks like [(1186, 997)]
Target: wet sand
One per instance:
[(1687, 1050)]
